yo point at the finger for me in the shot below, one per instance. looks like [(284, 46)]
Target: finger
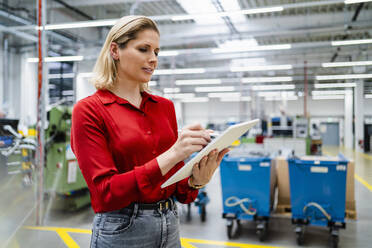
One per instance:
[(198, 134), (195, 169), (196, 141), (221, 154), (203, 162), (194, 126)]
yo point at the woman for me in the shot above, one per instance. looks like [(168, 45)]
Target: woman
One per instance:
[(127, 145)]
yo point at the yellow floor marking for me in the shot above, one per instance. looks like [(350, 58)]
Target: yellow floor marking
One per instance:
[(67, 239), (356, 176), (224, 243), (185, 242), (362, 181)]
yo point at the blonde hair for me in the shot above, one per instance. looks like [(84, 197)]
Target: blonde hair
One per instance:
[(124, 30)]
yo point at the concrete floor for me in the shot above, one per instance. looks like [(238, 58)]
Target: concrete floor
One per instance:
[(18, 229)]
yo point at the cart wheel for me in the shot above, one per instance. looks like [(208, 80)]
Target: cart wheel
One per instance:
[(203, 213), (188, 215), (300, 238), (261, 234), (230, 230), (334, 241)]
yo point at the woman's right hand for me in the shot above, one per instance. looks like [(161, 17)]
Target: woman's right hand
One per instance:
[(192, 138)]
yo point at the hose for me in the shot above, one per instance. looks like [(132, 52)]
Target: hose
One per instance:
[(234, 201), (320, 208)]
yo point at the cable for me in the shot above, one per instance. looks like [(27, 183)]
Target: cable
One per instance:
[(237, 201), (320, 208)]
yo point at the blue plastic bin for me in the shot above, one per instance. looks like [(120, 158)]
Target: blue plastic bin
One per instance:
[(245, 187), (318, 190)]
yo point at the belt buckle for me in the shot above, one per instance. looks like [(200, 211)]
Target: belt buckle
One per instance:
[(166, 204), (160, 206)]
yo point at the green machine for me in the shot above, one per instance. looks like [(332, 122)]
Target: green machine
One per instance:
[(63, 182)]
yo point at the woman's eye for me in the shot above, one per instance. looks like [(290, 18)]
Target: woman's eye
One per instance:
[(156, 53), (143, 50)]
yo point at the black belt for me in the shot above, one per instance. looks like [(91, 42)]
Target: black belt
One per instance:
[(160, 205)]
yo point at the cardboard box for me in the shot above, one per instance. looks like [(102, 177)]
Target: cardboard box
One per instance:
[(281, 166)]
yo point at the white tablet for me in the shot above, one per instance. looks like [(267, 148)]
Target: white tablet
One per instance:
[(223, 141)]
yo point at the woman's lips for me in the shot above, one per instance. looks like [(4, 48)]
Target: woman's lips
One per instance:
[(148, 70)]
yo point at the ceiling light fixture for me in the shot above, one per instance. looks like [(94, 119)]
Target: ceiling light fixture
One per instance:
[(260, 68), (346, 76), (334, 85), (228, 94), (196, 99), (327, 92), (356, 1), (344, 64), (218, 89), (57, 59), (179, 71), (198, 81), (266, 79), (274, 87), (350, 42), (228, 13), (89, 24), (171, 90), (252, 48)]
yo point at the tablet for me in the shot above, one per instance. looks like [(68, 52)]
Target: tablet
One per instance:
[(223, 141)]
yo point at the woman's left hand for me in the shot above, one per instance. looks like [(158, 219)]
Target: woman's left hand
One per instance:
[(203, 171)]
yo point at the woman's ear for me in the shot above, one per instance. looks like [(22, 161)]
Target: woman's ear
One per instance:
[(114, 50)]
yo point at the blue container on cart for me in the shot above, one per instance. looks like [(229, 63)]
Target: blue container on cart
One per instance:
[(245, 185), (319, 182), (246, 192)]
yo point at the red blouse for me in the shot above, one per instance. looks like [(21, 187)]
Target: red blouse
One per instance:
[(116, 145)]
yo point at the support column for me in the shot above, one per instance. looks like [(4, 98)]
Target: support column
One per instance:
[(348, 127), (359, 115)]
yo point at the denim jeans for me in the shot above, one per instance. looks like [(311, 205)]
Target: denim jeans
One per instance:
[(135, 228)]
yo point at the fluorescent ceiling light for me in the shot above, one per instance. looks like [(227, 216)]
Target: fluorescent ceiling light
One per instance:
[(180, 95), (168, 53), (198, 81), (276, 93), (179, 71), (344, 64), (328, 97), (280, 98), (266, 79), (152, 83), (209, 89), (233, 5), (57, 59), (87, 24), (351, 42), (251, 42), (274, 87), (226, 13), (261, 68), (346, 76), (171, 90), (327, 92), (252, 48), (229, 94), (236, 99), (368, 95), (196, 99), (64, 75), (193, 7), (356, 1), (335, 85)]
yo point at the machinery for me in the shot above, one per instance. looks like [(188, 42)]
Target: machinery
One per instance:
[(63, 182)]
